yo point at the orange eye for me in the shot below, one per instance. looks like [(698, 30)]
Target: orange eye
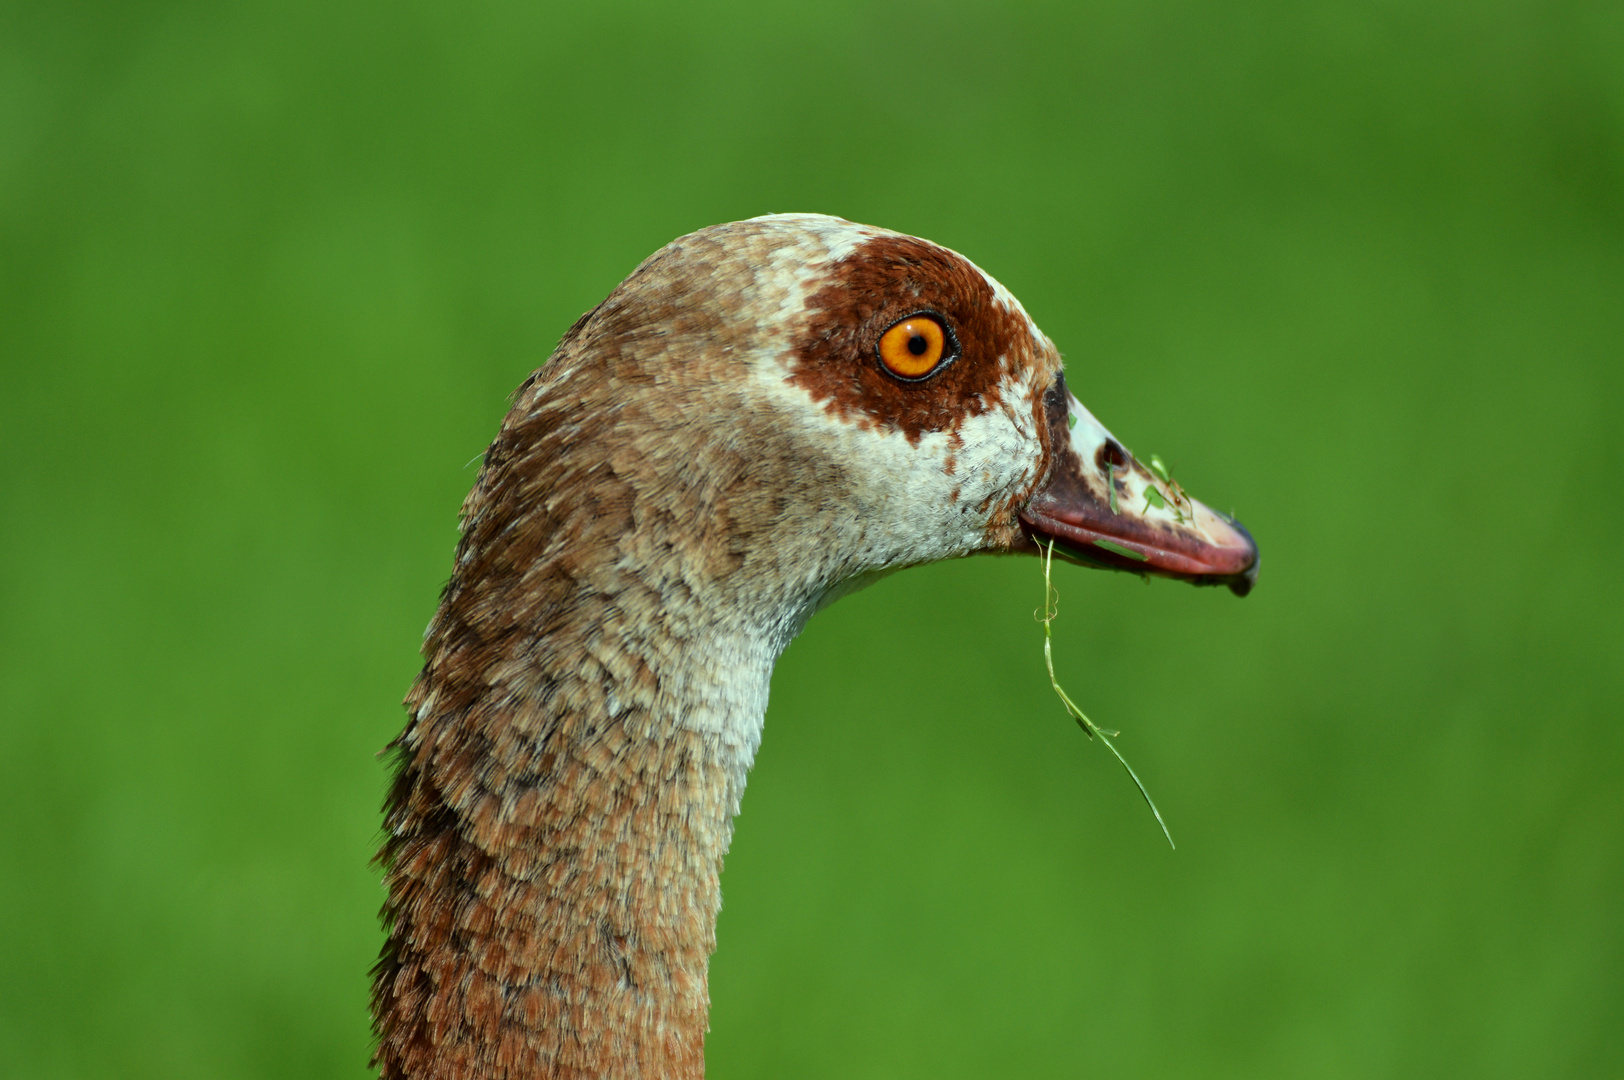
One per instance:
[(913, 347)]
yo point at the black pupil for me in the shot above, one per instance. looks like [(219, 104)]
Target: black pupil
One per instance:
[(917, 345)]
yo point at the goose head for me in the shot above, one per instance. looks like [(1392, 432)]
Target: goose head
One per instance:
[(763, 416), (820, 402)]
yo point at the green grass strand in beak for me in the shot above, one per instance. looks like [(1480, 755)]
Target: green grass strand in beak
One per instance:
[(1051, 609)]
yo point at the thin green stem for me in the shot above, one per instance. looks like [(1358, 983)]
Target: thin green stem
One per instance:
[(1051, 608)]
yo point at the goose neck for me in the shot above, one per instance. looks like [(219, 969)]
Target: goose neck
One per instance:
[(556, 841)]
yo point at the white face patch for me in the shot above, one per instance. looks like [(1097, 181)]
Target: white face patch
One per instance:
[(918, 501), (837, 237)]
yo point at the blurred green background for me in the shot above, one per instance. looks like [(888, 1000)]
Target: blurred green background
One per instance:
[(268, 273)]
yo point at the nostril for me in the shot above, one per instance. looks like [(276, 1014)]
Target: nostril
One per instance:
[(1111, 455)]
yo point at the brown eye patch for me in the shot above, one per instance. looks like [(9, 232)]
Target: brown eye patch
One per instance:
[(888, 282)]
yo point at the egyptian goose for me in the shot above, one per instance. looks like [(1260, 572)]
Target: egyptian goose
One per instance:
[(762, 417)]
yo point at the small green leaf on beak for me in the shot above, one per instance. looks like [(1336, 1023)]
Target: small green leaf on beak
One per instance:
[(1160, 469), (1126, 553), (1153, 497), (1071, 421)]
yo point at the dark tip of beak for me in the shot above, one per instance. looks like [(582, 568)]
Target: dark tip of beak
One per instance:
[(1242, 583)]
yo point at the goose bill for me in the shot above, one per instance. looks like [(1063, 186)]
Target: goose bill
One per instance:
[(1149, 528)]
